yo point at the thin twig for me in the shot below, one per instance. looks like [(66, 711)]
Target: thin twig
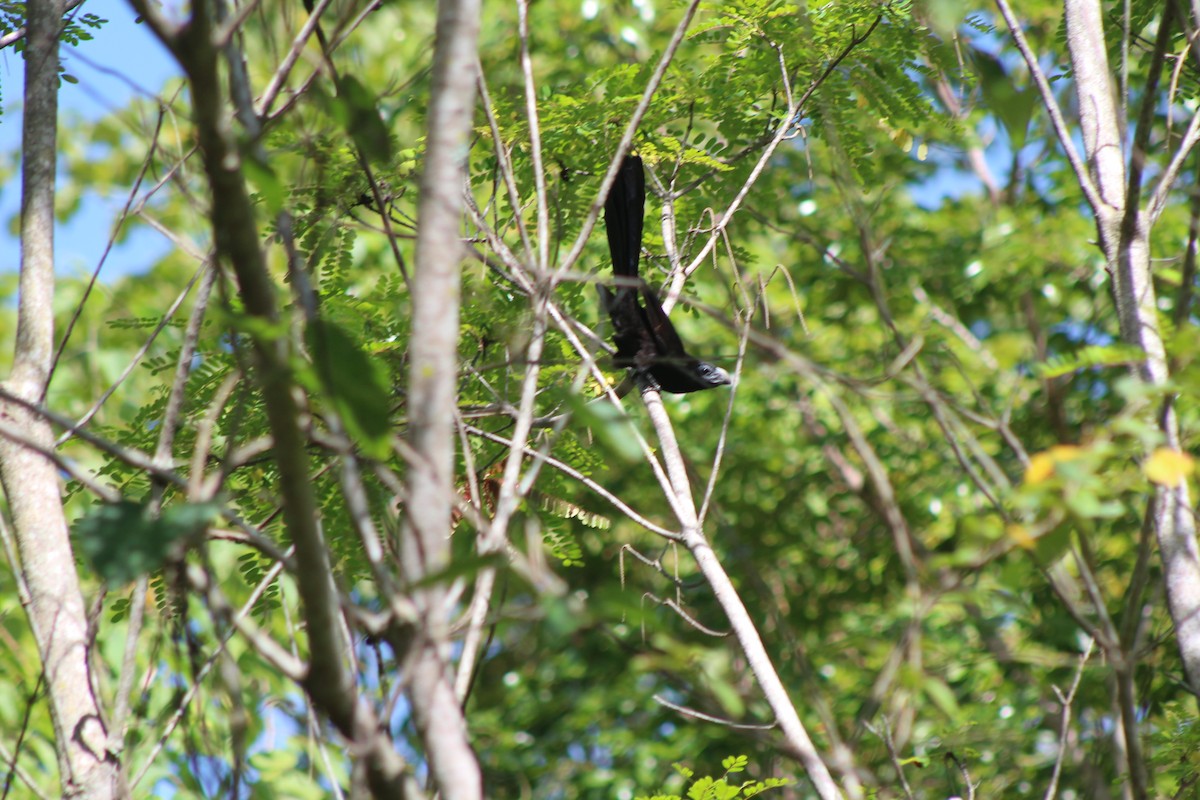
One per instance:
[(535, 139), (506, 169), (780, 135), (21, 436), (134, 361), (700, 715), (575, 474), (962, 768), (198, 679), (112, 240), (686, 617), (589, 221), (1056, 117), (890, 744), (275, 85), (1064, 725), (1158, 199)]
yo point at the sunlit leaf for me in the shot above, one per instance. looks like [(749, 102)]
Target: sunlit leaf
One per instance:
[(1168, 467)]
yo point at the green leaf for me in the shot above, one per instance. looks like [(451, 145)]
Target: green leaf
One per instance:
[(274, 764), (702, 788), (1013, 106), (266, 183), (1050, 547), (735, 763), (364, 123), (611, 426), (1116, 355), (941, 695), (728, 695), (355, 384), (122, 540), (723, 791)]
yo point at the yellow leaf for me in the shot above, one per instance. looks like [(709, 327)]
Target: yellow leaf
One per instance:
[(1065, 452), (1021, 536), (1041, 467), (1168, 467)]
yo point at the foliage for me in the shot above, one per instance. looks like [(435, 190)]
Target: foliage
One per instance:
[(709, 788), (124, 540), (934, 468), (77, 28)]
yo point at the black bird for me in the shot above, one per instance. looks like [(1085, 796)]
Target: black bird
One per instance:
[(645, 338)]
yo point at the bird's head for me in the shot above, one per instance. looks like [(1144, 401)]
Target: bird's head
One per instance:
[(712, 375)]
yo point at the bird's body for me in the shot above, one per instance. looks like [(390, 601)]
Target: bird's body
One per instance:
[(646, 340)]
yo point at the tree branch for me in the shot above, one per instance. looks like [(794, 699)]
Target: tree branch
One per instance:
[(327, 682), (1056, 117), (1125, 240), (793, 729), (433, 353)]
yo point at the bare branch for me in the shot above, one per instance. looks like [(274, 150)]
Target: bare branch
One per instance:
[(966, 776), (1056, 117), (798, 740), (1064, 725), (1158, 199), (432, 381), (263, 107), (700, 715), (684, 615), (327, 681), (893, 755), (535, 140)]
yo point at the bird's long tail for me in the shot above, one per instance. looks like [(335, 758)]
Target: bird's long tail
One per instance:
[(624, 210)]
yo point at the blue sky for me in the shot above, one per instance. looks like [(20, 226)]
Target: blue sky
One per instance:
[(122, 60)]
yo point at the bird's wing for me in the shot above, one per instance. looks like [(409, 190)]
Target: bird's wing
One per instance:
[(670, 346)]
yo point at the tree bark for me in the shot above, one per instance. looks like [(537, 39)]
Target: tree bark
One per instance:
[(54, 600), (433, 378), (329, 682), (1125, 238)]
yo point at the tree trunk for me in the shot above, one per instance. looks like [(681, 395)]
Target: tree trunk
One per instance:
[(52, 596), (433, 379)]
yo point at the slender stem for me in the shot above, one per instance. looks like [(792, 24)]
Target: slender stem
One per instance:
[(799, 742)]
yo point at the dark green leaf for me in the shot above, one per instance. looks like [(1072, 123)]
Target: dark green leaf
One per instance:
[(365, 125), (122, 540), (355, 384)]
